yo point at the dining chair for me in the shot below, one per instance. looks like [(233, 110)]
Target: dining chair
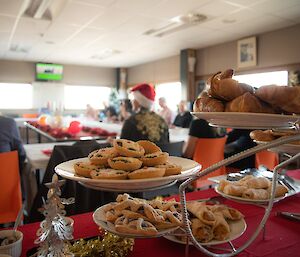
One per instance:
[(209, 151), (85, 199), (10, 187), (266, 158), (173, 148)]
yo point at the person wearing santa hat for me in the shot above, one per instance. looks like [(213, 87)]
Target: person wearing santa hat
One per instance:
[(144, 124)]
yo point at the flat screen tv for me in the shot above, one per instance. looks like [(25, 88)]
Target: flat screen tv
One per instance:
[(48, 72)]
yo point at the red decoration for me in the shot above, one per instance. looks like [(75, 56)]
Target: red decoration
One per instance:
[(74, 127)]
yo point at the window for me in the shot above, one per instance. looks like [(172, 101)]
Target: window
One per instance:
[(15, 96), (77, 97), (170, 91), (265, 78)]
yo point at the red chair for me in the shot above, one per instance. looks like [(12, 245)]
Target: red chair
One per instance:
[(10, 187), (209, 151), (266, 158)]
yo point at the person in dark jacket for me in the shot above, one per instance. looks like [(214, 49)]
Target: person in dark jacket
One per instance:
[(10, 139), (184, 118), (145, 124)]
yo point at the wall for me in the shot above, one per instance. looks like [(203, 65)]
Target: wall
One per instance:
[(24, 72), (164, 70), (275, 50)]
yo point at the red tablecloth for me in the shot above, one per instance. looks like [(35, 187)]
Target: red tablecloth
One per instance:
[(282, 235)]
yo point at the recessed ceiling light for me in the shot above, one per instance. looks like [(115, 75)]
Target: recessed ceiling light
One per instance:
[(229, 21), (105, 53)]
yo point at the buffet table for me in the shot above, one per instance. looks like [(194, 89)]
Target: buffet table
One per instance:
[(282, 236)]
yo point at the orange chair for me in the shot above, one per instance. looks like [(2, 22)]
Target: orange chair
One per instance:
[(30, 115), (209, 151), (266, 158), (10, 187)]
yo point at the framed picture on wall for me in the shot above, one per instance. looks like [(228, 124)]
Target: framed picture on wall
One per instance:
[(246, 52)]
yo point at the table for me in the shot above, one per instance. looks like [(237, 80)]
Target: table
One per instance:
[(282, 235)]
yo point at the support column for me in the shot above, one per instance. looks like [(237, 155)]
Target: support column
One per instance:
[(187, 74)]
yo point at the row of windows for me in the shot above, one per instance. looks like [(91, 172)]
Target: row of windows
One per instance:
[(20, 96)]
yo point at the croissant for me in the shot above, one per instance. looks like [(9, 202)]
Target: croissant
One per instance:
[(223, 87), (285, 97), (248, 103), (207, 104)]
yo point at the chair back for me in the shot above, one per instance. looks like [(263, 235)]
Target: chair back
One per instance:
[(209, 151), (173, 148), (10, 192), (85, 199), (266, 158)]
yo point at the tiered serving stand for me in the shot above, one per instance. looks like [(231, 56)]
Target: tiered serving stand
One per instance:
[(190, 173)]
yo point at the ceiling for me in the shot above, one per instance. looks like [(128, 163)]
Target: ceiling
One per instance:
[(111, 33)]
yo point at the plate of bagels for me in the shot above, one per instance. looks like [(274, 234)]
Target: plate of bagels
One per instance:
[(128, 165), (227, 103)]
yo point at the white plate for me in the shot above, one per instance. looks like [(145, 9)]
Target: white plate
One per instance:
[(189, 168), (100, 220), (246, 200), (286, 148), (237, 228), (243, 120)]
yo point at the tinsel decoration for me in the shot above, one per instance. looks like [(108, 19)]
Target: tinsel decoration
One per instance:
[(110, 245), (56, 229)]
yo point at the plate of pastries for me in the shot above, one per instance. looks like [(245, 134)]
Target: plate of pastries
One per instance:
[(251, 189), (134, 217), (212, 224), (228, 103), (265, 136), (128, 165)]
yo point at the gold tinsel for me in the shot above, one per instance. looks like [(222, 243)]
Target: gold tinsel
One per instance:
[(110, 245)]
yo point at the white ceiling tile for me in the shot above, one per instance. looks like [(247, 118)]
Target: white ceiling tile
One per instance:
[(59, 32), (32, 26), (136, 5), (292, 13), (112, 18), (6, 23), (76, 13), (269, 6), (104, 3), (10, 7), (172, 8)]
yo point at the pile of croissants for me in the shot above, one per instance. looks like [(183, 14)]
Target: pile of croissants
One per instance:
[(224, 94)]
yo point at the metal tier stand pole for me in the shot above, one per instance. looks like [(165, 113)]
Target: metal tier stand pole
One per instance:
[(226, 162)]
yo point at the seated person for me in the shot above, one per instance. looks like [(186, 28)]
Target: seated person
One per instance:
[(91, 113), (111, 114), (199, 128), (237, 141), (125, 110), (10, 139), (184, 118), (165, 111), (145, 124)]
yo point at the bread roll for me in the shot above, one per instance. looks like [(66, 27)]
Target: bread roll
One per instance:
[(248, 103), (260, 135), (286, 98), (223, 87), (208, 104)]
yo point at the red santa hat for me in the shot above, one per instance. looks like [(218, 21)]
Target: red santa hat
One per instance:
[(144, 94)]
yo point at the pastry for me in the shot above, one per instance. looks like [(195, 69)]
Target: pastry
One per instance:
[(202, 232), (227, 212), (153, 159), (147, 172), (260, 135), (286, 98), (149, 146), (108, 174), (221, 229), (205, 103), (101, 156), (171, 169), (223, 87), (84, 168), (200, 210), (279, 191), (247, 103), (125, 163), (128, 148), (255, 194), (234, 190), (258, 183)]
